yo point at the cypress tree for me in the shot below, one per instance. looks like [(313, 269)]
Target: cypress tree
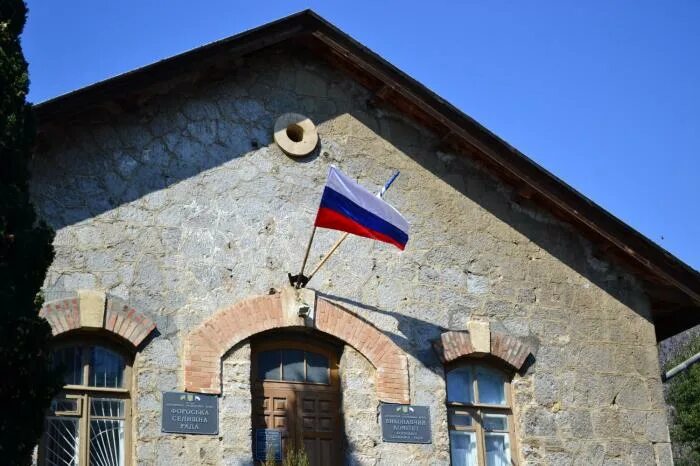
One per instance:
[(27, 381)]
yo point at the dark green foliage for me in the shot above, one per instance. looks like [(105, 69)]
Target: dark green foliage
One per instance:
[(684, 396), (27, 383)]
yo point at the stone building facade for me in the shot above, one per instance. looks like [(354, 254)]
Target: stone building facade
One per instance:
[(178, 217)]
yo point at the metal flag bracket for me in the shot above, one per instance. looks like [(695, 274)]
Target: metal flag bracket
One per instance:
[(298, 281)]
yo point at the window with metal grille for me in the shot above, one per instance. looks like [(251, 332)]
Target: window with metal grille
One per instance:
[(87, 423)]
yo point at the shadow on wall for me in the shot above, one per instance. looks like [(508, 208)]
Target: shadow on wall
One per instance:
[(107, 160), (557, 238), (415, 336), (110, 159)]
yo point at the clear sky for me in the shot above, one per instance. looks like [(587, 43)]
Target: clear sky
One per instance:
[(604, 94)]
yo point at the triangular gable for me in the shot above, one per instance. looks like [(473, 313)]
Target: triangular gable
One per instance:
[(673, 286)]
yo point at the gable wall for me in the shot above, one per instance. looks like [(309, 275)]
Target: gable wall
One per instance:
[(175, 210)]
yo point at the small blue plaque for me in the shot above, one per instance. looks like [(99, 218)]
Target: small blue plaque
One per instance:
[(268, 440)]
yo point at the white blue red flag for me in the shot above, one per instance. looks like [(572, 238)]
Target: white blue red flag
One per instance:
[(347, 206)]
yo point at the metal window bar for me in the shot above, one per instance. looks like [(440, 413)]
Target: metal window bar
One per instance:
[(63, 441), (106, 432)]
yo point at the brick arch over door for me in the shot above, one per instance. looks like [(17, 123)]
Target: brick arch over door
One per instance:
[(208, 343)]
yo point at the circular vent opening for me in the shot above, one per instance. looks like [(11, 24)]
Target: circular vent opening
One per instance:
[(295, 132)]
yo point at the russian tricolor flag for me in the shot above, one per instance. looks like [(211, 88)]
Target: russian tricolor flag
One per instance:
[(347, 206)]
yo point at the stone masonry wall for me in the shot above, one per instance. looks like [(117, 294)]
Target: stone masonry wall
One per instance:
[(186, 206), (359, 416)]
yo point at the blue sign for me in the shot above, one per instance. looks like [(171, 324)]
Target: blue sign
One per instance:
[(268, 440), (405, 423)]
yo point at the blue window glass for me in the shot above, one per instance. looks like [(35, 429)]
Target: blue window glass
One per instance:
[(293, 365), (70, 360), (497, 450), (463, 448), (460, 419), (106, 407), (316, 368), (106, 368), (495, 422), (491, 386), (459, 386), (269, 365)]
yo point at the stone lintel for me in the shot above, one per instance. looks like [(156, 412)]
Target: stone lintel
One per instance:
[(92, 308), (480, 335)]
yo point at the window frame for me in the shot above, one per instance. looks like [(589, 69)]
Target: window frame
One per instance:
[(477, 410), (84, 393), (318, 347)]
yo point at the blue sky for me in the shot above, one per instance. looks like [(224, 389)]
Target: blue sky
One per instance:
[(605, 95)]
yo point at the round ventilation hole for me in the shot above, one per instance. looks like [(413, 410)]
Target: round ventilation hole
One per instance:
[(295, 134)]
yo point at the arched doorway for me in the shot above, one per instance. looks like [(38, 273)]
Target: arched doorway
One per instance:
[(206, 344), (296, 390)]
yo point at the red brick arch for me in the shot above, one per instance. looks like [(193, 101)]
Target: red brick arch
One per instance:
[(64, 315), (454, 345), (207, 344)]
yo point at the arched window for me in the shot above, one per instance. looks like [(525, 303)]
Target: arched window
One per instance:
[(88, 422), (479, 415)]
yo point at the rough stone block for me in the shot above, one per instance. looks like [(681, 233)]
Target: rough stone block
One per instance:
[(657, 427), (663, 454), (480, 335)]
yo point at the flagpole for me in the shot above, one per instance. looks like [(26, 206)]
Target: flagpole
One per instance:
[(328, 254), (380, 194), (388, 184), (299, 278)]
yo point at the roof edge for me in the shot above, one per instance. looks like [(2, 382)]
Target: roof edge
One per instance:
[(521, 166), (246, 41), (451, 124)]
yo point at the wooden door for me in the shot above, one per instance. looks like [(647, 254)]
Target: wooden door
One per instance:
[(296, 391)]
